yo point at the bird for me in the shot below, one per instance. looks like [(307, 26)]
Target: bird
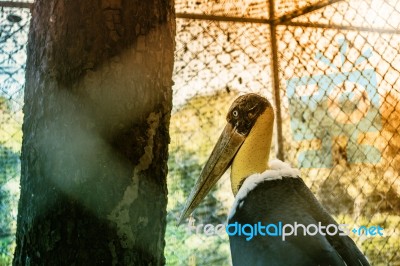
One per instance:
[(269, 195)]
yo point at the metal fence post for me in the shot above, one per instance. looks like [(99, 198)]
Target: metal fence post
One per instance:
[(275, 83)]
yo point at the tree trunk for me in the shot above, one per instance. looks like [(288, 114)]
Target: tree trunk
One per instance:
[(97, 108)]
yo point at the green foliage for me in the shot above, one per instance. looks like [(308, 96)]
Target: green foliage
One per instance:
[(11, 125), (356, 194), (381, 250), (9, 165), (10, 143), (182, 245), (9, 170), (6, 248), (4, 104), (194, 129)]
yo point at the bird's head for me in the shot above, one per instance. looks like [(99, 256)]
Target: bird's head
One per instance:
[(244, 143)]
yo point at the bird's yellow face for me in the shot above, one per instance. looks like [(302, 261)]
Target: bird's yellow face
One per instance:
[(253, 155), (245, 143)]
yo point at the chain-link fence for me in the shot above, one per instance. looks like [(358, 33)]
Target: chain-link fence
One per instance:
[(332, 71), (14, 24)]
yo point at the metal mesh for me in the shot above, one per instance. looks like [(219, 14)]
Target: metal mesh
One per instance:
[(338, 67), (374, 14), (342, 125), (234, 8), (337, 70), (13, 37), (215, 61)]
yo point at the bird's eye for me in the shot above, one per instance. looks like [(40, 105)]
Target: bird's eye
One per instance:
[(235, 113)]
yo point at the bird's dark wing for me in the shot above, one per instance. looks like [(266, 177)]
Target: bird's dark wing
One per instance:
[(344, 245), (288, 201)]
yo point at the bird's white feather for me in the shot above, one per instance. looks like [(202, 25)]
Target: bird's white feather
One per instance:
[(277, 170)]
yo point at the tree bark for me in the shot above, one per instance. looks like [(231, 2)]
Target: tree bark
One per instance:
[(97, 108)]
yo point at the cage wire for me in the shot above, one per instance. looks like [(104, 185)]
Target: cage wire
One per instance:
[(14, 24), (330, 68)]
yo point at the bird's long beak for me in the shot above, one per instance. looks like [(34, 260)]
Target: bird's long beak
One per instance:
[(221, 157)]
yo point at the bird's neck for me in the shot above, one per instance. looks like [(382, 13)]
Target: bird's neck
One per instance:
[(253, 155)]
